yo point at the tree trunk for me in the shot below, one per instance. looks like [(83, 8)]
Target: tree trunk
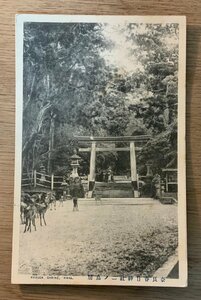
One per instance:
[(30, 95), (33, 156), (36, 128), (51, 144)]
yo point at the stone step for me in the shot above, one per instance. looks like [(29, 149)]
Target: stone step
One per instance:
[(115, 185), (114, 190), (119, 201), (115, 193), (168, 200)]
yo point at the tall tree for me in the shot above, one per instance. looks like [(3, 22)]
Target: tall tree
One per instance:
[(59, 64)]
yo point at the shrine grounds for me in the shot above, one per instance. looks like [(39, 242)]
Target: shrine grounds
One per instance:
[(115, 237)]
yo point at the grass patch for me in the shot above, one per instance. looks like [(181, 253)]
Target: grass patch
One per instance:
[(143, 258)]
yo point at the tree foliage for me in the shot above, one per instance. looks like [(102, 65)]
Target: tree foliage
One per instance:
[(70, 89)]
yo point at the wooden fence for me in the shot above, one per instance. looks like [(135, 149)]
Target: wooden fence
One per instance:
[(37, 179)]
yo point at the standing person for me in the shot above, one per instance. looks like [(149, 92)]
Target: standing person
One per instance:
[(75, 204), (109, 173), (61, 200), (52, 200), (105, 176), (156, 186), (76, 191)]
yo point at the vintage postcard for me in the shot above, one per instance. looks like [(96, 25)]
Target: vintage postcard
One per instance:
[(100, 183)]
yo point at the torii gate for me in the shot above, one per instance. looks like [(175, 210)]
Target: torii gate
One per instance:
[(132, 140)]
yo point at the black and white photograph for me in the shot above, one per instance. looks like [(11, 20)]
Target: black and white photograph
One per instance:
[(100, 195)]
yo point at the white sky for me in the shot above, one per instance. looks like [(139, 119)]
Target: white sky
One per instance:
[(120, 55)]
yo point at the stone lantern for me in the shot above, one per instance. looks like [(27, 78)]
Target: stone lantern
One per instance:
[(75, 159)]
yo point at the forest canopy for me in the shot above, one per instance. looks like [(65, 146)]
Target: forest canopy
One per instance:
[(102, 80)]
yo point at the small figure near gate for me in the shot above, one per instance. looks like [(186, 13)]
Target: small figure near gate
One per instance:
[(97, 197), (76, 191), (52, 200), (61, 200), (156, 186), (75, 204), (110, 176)]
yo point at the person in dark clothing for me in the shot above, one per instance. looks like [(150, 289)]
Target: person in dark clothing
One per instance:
[(75, 204), (76, 191)]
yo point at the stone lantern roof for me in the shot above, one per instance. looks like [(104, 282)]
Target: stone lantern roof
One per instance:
[(75, 156)]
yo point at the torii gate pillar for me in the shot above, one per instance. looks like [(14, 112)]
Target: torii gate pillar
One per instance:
[(92, 169), (133, 169)]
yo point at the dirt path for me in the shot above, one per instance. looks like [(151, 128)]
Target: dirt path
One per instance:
[(97, 238)]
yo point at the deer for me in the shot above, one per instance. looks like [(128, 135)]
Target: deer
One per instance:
[(29, 217), (42, 204), (23, 206)]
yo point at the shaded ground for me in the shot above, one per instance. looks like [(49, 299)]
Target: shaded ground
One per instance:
[(117, 237)]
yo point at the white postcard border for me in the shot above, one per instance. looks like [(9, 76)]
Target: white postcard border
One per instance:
[(182, 249)]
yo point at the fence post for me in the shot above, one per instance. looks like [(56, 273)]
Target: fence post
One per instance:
[(52, 182), (35, 178)]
